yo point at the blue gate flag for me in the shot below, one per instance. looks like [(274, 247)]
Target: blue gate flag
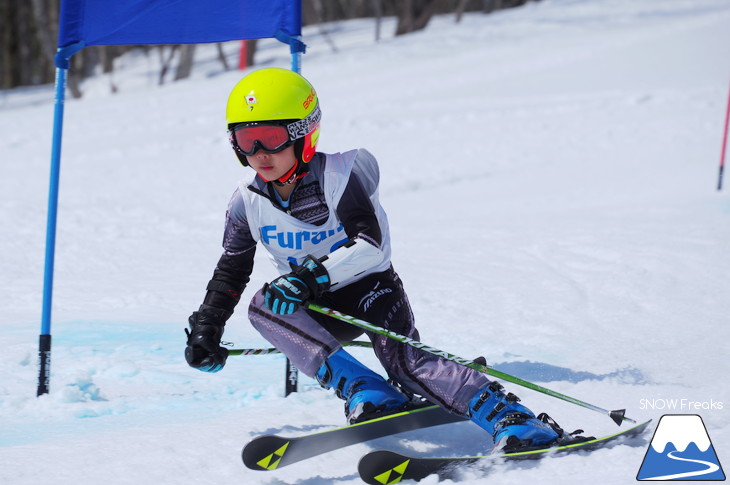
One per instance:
[(114, 22)]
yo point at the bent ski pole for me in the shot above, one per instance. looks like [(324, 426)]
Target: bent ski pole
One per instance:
[(618, 415)]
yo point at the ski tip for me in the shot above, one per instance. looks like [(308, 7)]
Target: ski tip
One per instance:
[(618, 416)]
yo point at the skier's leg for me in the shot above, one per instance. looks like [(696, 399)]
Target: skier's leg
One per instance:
[(457, 388), (298, 336), (317, 353), (440, 381)]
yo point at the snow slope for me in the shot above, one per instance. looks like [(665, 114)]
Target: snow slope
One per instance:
[(549, 173)]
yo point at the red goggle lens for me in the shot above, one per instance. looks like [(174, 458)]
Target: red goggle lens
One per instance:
[(271, 138)]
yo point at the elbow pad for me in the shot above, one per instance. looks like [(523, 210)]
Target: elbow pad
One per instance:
[(352, 259)]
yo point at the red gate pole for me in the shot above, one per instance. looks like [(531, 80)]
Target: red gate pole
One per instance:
[(242, 56), (724, 144)]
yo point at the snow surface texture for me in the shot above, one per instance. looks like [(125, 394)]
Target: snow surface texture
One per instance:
[(549, 173)]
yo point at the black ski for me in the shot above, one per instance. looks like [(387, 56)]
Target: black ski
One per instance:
[(385, 467), (270, 452)]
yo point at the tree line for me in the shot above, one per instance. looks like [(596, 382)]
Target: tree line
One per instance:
[(29, 33)]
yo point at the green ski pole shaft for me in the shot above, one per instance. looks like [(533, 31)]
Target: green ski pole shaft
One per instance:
[(618, 415), (273, 350)]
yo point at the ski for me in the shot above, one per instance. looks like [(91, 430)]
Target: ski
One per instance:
[(269, 452), (387, 467)]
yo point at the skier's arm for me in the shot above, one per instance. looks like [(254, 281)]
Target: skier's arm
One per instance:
[(357, 214), (230, 278), (350, 260), (233, 271), (224, 290), (362, 251)]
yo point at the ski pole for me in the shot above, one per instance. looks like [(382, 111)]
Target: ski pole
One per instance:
[(618, 415), (273, 350)]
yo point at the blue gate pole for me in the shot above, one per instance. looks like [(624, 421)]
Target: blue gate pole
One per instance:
[(44, 342), (292, 373), (296, 58)]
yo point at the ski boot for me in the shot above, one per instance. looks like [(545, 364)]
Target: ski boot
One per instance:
[(367, 395), (513, 426)]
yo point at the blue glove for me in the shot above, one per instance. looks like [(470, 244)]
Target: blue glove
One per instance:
[(288, 292)]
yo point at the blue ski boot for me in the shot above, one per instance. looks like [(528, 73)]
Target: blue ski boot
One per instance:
[(367, 395), (512, 425)]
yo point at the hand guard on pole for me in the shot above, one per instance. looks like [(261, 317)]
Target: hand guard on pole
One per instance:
[(203, 351), (288, 292)]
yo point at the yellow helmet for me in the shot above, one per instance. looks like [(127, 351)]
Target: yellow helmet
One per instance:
[(280, 96)]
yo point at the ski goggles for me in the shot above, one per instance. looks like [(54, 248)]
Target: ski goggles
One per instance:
[(271, 136)]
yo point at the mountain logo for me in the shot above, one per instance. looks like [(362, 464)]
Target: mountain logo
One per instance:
[(681, 450)]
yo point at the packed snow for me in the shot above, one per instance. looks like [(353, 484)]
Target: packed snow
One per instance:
[(550, 177)]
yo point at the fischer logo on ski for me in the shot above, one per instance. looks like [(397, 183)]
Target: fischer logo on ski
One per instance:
[(394, 475), (273, 460)]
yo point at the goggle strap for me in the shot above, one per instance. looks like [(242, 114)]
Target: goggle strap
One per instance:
[(301, 128)]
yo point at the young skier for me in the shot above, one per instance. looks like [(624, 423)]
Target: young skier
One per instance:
[(319, 218)]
